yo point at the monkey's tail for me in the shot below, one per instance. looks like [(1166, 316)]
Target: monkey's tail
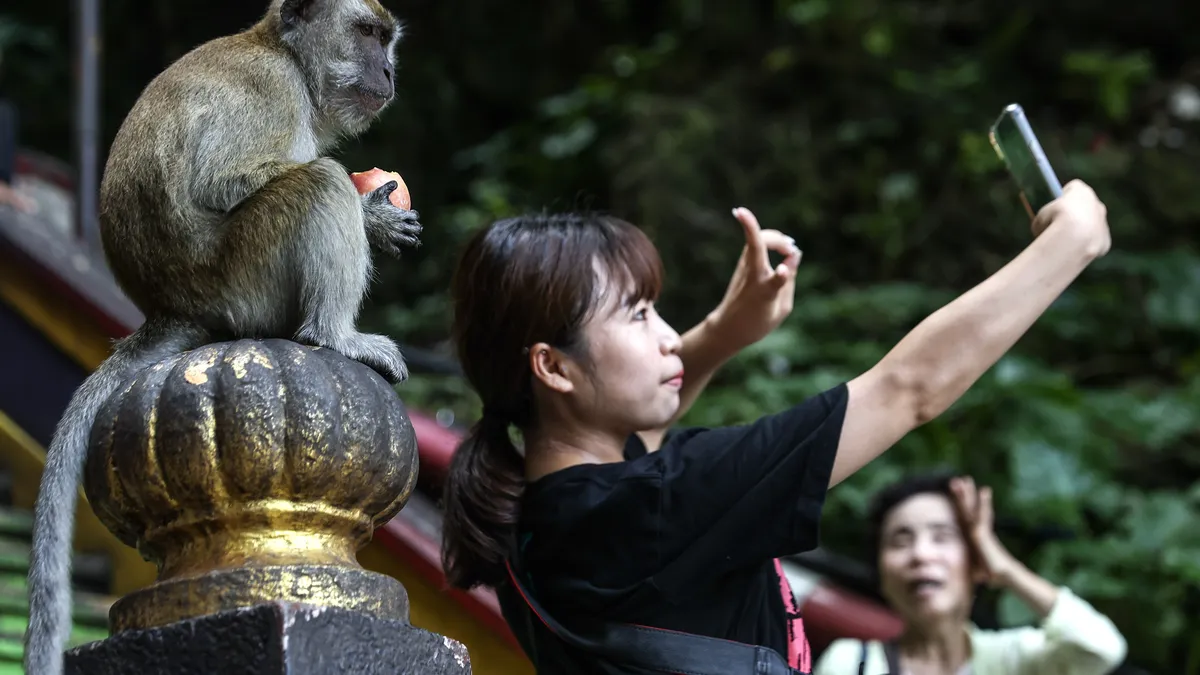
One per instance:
[(54, 511)]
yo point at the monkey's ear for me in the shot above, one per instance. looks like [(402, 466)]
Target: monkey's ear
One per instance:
[(293, 13)]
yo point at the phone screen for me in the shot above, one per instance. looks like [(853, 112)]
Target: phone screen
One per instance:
[(1014, 141)]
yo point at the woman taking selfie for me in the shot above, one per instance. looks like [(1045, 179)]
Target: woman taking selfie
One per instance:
[(934, 541), (556, 330)]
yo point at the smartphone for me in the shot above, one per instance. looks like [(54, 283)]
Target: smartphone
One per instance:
[(1015, 142)]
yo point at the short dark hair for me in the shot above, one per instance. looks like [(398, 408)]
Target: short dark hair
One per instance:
[(895, 494)]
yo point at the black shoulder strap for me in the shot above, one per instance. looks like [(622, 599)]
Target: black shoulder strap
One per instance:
[(889, 652), (892, 651), (658, 649)]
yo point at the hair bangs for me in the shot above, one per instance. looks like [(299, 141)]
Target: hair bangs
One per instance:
[(631, 264)]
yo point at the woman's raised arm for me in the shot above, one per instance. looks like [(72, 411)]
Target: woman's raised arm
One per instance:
[(946, 353)]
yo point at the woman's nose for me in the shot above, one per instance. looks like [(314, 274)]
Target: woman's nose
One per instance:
[(671, 343)]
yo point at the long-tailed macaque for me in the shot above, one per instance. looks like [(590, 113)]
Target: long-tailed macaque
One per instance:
[(221, 218)]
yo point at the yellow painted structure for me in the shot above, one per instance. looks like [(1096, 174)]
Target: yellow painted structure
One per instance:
[(435, 611)]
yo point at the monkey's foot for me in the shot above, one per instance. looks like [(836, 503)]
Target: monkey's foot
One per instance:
[(378, 352)]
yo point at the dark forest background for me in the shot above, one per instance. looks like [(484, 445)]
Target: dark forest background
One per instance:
[(858, 127)]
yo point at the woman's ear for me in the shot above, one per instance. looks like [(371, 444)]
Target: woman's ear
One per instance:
[(552, 368)]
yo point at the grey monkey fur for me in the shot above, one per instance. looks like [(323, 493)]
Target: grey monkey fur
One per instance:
[(221, 218)]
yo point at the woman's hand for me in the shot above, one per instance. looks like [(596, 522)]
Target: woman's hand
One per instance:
[(992, 563), (1080, 212), (759, 297)]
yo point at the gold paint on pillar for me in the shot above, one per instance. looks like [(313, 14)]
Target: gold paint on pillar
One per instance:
[(251, 472)]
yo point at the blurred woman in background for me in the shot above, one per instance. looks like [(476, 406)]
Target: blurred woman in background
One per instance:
[(934, 539)]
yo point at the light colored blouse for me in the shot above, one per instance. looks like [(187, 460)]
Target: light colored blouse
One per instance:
[(1074, 639)]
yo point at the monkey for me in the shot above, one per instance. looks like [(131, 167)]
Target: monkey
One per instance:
[(221, 217)]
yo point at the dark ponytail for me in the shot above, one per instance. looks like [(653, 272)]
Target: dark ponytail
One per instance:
[(482, 499), (521, 281)]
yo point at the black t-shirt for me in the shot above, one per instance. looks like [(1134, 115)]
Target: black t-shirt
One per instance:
[(684, 538)]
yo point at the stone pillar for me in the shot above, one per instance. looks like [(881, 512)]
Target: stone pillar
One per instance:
[(250, 473)]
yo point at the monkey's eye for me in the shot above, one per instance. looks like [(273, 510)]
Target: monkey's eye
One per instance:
[(366, 30)]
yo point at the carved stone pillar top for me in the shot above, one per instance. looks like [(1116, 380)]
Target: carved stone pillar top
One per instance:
[(251, 472)]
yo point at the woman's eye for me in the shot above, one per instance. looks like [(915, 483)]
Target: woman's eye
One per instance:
[(640, 314), (943, 535)]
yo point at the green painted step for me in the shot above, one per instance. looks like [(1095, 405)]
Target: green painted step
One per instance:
[(89, 571), (14, 559), (14, 556), (16, 523), (89, 610), (90, 613), (12, 630)]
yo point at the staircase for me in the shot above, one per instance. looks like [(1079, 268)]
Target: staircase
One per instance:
[(90, 584)]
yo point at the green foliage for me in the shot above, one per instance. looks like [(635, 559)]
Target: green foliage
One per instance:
[(15, 33), (25, 49)]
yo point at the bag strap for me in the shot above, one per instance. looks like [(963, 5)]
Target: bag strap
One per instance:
[(659, 649), (889, 653), (892, 651)]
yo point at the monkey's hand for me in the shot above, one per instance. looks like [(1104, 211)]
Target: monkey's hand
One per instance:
[(389, 227)]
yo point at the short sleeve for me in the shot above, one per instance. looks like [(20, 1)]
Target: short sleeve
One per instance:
[(736, 497)]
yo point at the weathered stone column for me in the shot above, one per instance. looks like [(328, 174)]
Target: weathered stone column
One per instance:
[(251, 472)]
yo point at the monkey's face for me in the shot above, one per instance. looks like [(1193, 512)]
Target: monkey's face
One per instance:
[(372, 44), (348, 48)]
